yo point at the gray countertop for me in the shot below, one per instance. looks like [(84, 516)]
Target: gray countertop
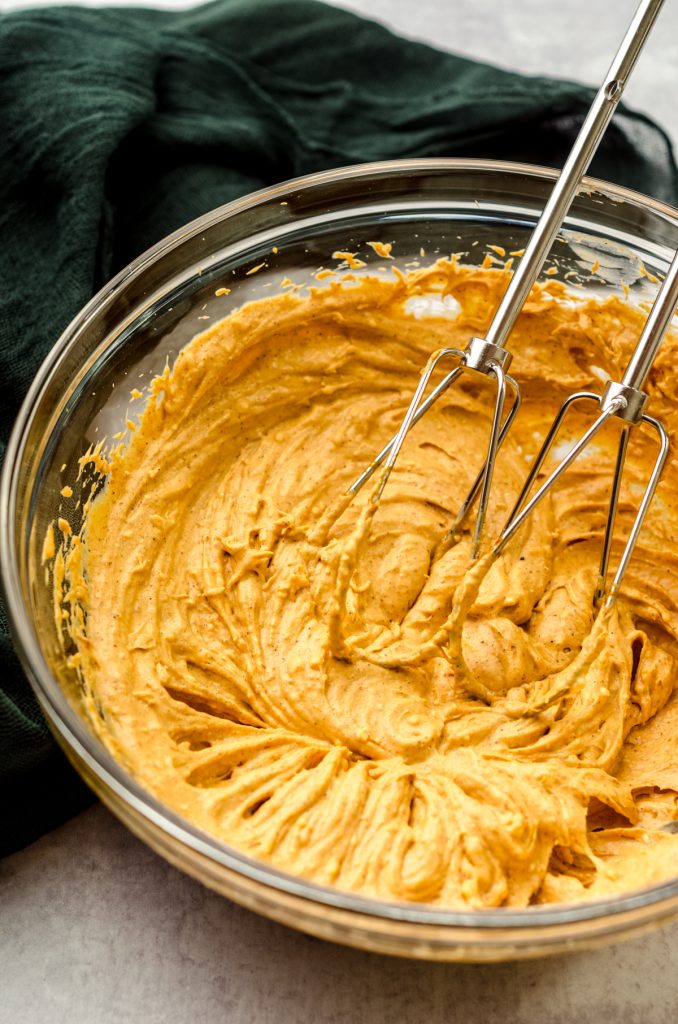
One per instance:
[(97, 929)]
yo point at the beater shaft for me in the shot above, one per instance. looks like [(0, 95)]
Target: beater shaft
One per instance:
[(489, 356), (583, 150)]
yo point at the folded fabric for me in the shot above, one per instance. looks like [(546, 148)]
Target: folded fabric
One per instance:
[(118, 126)]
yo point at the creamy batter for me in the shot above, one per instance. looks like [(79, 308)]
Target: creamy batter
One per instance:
[(313, 683)]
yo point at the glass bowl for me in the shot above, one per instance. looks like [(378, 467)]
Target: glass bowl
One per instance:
[(142, 318)]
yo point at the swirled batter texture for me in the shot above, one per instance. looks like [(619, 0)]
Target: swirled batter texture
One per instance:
[(323, 688)]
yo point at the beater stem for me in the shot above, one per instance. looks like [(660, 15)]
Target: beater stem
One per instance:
[(612, 514), (656, 326), (586, 143), (492, 448)]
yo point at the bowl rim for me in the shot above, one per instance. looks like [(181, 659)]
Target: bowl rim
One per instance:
[(63, 719)]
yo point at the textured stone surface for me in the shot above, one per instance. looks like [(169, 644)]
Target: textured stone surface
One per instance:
[(96, 928)]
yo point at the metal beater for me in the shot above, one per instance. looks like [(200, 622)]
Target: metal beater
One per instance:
[(489, 356), (626, 400)]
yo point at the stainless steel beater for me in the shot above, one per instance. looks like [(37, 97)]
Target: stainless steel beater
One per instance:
[(489, 356), (626, 400)]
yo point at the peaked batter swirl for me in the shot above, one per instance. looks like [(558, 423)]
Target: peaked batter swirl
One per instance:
[(313, 684)]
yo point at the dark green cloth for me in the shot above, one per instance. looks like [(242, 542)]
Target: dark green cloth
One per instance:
[(117, 126)]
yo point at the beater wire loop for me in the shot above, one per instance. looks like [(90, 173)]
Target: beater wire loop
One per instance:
[(524, 507), (416, 409)]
